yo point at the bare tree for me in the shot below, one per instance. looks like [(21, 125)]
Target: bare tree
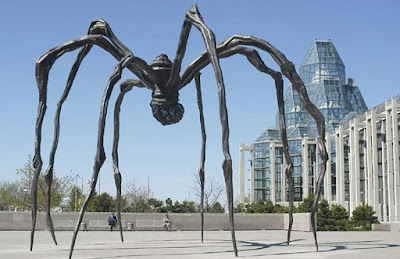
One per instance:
[(212, 191), (136, 197)]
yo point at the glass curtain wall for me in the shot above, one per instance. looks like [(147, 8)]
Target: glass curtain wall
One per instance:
[(262, 173)]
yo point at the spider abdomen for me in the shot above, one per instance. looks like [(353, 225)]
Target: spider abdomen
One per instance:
[(168, 114), (165, 106)]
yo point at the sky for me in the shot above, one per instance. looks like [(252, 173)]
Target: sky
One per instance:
[(365, 33)]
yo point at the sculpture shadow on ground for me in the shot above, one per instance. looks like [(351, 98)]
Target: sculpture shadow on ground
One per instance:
[(246, 246), (345, 245)]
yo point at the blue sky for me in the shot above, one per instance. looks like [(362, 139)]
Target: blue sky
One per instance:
[(365, 33)]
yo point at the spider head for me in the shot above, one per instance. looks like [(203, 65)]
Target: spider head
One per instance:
[(164, 104)]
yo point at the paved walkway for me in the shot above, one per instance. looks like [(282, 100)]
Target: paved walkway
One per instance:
[(217, 244)]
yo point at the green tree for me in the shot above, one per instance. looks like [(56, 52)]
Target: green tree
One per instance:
[(323, 216), (184, 207), (60, 188), (363, 217), (217, 208), (188, 206), (102, 203), (260, 207), (11, 196), (136, 198), (76, 199), (155, 204), (168, 205), (339, 218), (306, 205)]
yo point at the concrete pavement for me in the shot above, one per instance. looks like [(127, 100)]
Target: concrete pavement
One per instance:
[(217, 244)]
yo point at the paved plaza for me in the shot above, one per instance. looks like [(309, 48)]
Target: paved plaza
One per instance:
[(187, 244)]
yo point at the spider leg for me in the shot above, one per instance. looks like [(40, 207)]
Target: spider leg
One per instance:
[(49, 172), (203, 152), (43, 66), (140, 68), (180, 53), (100, 155), (37, 159), (125, 87), (255, 59), (194, 17), (289, 71)]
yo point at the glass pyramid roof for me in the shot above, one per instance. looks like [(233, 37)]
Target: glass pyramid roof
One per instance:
[(323, 73), (322, 60)]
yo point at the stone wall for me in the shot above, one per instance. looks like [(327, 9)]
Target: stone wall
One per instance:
[(301, 221), (386, 226), (98, 221)]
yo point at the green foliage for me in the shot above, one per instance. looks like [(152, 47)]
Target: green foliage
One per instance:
[(11, 196), (168, 204), (155, 205), (334, 218), (306, 205), (184, 207), (240, 208), (102, 203), (363, 217), (339, 216), (323, 216), (261, 207), (136, 199), (281, 209), (17, 195), (60, 189), (76, 199), (217, 208)]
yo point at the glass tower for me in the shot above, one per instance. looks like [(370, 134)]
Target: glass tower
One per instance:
[(323, 73)]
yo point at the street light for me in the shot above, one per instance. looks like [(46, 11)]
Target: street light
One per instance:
[(76, 190)]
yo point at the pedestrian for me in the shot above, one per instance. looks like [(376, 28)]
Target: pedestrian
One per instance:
[(167, 222), (112, 220)]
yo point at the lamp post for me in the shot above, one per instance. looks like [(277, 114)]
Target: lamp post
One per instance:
[(76, 191)]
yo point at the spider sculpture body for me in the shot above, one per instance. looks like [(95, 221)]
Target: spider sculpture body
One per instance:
[(163, 77)]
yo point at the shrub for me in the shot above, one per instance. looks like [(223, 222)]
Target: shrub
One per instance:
[(281, 209), (324, 221), (363, 217), (306, 205), (339, 218)]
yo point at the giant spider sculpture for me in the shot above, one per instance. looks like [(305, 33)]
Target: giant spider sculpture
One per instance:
[(163, 78)]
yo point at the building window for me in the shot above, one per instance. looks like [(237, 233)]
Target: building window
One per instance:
[(311, 157), (346, 149), (278, 174), (362, 147), (333, 170)]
